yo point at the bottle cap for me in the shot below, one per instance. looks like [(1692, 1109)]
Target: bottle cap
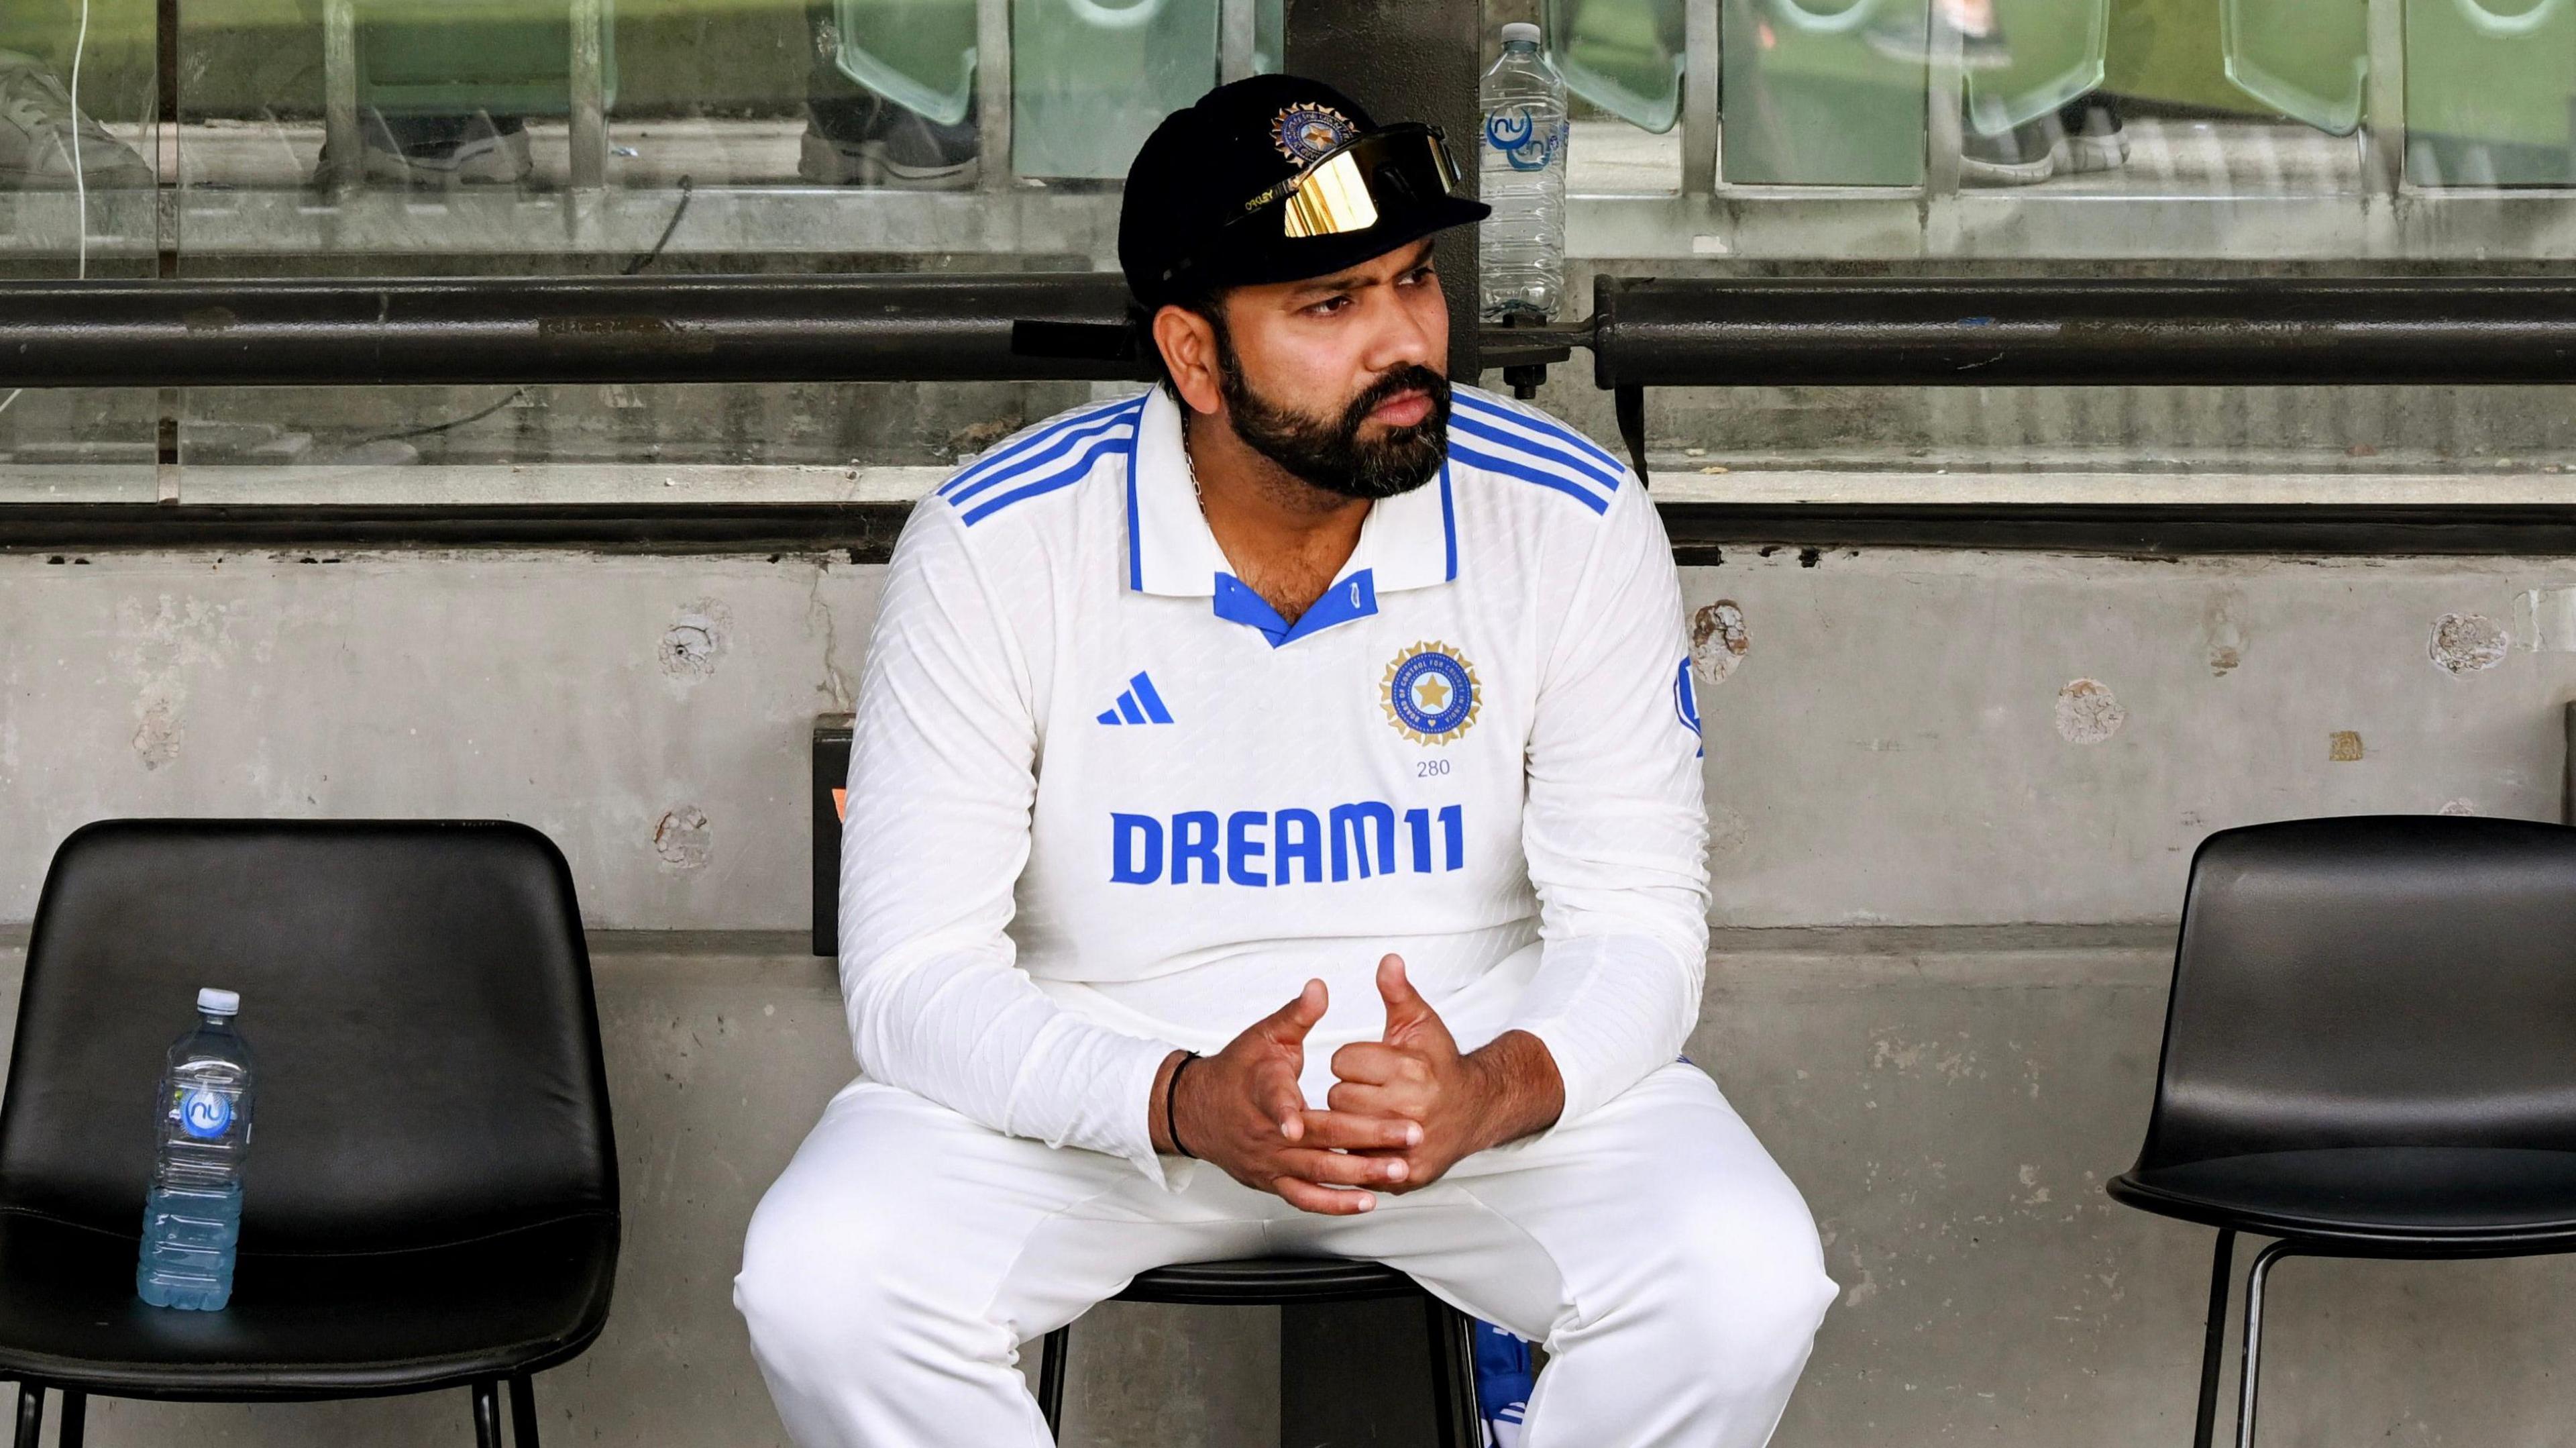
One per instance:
[(1520, 30), (219, 1002)]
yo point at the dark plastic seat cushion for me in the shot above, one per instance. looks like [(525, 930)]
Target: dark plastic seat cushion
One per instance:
[(416, 993), (1266, 1280), (2465, 1197), (302, 1326)]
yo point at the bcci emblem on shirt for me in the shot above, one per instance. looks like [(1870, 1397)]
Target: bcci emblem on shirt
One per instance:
[(1430, 693)]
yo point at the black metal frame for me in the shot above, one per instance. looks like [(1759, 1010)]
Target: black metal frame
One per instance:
[(485, 1392), (1452, 1337), (2222, 1269), (1644, 332)]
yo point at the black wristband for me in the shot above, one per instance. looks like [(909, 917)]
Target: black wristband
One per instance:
[(1171, 1090)]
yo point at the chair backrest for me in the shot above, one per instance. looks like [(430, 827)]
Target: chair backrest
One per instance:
[(417, 998), (2396, 980)]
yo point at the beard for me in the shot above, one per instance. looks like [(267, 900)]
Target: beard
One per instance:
[(1328, 453)]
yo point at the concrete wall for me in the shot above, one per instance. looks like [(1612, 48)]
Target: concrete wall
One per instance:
[(1940, 782)]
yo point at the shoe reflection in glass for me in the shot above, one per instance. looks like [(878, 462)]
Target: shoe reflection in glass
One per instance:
[(37, 124), (441, 150), (2022, 155), (2094, 139), (867, 140)]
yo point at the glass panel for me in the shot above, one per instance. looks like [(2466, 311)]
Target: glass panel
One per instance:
[(76, 200), (1824, 92), (2491, 92)]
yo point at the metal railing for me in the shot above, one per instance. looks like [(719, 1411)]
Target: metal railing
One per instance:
[(1644, 332)]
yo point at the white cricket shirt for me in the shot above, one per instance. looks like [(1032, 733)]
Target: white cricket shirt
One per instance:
[(1103, 803)]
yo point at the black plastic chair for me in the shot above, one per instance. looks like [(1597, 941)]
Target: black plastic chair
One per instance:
[(2370, 1051), (1297, 1281), (430, 1198)]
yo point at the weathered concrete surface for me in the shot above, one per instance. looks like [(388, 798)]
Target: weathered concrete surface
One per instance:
[(650, 714), (1919, 738), (1963, 738)]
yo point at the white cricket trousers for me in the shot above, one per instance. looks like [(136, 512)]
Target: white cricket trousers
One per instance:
[(895, 1268)]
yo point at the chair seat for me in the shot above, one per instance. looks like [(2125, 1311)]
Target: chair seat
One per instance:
[(2411, 1200), (300, 1325), (1269, 1280)]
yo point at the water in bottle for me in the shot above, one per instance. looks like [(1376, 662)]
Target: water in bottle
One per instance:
[(192, 1217), (1523, 179)]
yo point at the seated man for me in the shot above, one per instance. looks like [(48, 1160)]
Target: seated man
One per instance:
[(1293, 768)]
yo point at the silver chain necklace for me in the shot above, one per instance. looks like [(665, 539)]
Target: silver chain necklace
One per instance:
[(1190, 464)]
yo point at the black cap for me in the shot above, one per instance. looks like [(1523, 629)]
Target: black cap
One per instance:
[(1204, 162)]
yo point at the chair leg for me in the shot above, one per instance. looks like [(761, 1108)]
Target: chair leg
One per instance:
[(2222, 1266), (487, 1413), (1051, 1355), (523, 1412), (31, 1413), (75, 1427), (2262, 1272), (1453, 1375)]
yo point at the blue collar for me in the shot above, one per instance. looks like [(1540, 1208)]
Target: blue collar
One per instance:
[(1354, 596)]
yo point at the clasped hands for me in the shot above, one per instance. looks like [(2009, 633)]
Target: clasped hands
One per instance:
[(1404, 1109)]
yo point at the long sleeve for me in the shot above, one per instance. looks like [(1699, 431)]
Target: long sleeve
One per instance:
[(942, 779), (1615, 829)]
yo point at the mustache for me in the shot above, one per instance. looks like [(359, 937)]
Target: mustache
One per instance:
[(1411, 378)]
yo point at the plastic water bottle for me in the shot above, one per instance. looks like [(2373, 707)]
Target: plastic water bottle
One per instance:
[(192, 1218), (1523, 179)]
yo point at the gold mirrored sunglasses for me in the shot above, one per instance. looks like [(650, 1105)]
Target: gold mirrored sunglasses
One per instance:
[(1349, 187)]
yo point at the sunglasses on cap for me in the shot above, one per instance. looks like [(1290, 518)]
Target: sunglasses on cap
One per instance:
[(1350, 187)]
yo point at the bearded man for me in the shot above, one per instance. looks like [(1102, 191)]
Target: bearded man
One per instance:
[(1291, 771)]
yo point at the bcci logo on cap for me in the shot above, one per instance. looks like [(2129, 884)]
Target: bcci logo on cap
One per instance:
[(1304, 132), (1430, 693)]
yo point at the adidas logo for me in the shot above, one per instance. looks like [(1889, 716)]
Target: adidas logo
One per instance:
[(1138, 704)]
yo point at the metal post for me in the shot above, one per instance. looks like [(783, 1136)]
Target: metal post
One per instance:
[(343, 148), (2254, 1338), (1236, 30), (1453, 1375), (589, 95), (2222, 1266), (2384, 102), (523, 1412), (487, 1413), (1945, 95), (2567, 768), (993, 92), (165, 138), (1051, 1366), (1703, 59), (1409, 60)]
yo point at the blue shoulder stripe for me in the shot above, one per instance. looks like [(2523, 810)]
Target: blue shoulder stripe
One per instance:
[(1539, 451), (1064, 477), (1110, 427), (1519, 468), (1541, 422), (1036, 437)]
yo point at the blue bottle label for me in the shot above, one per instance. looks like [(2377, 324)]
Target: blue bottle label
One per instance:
[(204, 1113), (1528, 145)]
